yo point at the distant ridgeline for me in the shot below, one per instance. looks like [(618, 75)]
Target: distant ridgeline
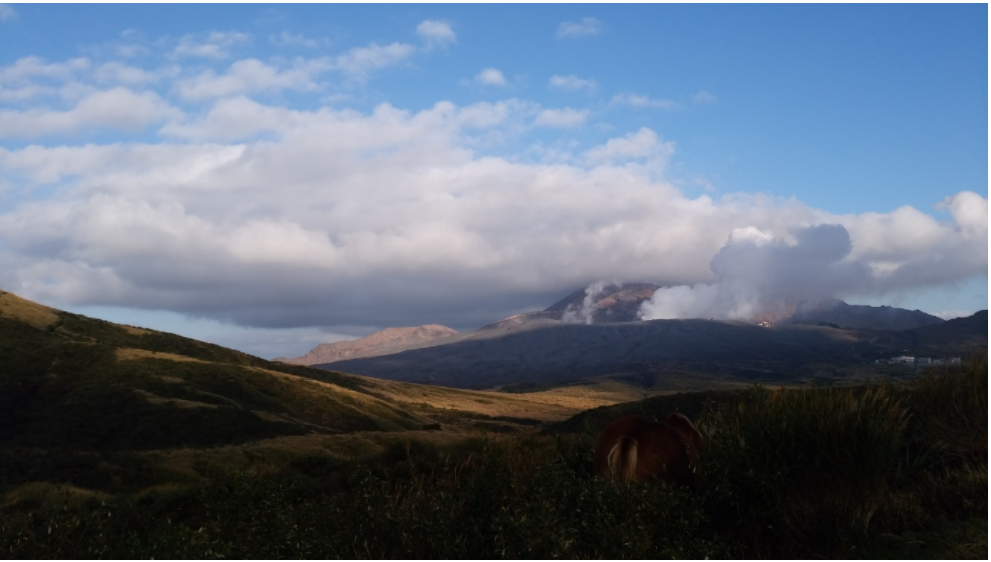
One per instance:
[(596, 333)]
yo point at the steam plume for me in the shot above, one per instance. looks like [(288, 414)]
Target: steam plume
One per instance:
[(760, 278)]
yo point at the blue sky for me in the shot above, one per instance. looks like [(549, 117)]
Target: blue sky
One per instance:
[(254, 174)]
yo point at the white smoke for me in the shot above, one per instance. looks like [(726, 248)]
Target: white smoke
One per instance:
[(585, 312), (758, 277)]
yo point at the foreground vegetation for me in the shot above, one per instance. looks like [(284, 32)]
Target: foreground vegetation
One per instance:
[(878, 471)]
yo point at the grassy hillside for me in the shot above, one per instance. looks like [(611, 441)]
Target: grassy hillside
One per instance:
[(875, 471), (92, 405), (73, 382), (120, 442)]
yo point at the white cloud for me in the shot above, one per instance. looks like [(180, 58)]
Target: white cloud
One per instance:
[(7, 13), (643, 144), (572, 82), (436, 33), (27, 69), (638, 100), (565, 117), (244, 76), (490, 77), (704, 98), (391, 217), (585, 27), (359, 62), (118, 108), (215, 45)]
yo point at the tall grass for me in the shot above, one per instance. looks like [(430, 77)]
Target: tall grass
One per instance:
[(804, 470), (874, 471)]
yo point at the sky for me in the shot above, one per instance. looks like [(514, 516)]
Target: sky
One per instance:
[(272, 177)]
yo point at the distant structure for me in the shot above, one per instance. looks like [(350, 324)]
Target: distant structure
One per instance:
[(765, 324), (909, 360)]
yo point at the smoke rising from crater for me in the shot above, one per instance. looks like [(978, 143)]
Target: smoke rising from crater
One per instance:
[(585, 313), (758, 277)]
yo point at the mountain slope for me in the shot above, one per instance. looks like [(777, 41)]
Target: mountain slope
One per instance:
[(537, 350), (553, 352), (390, 340), (863, 317), (76, 382)]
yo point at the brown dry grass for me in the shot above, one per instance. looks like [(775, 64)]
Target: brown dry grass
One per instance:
[(131, 354), (26, 311)]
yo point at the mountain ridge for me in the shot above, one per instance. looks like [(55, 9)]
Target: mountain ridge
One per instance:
[(550, 352), (384, 342), (602, 304)]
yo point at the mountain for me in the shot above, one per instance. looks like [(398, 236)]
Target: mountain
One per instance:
[(596, 331), (843, 315), (552, 352), (604, 304), (952, 337), (537, 350), (390, 340), (608, 303)]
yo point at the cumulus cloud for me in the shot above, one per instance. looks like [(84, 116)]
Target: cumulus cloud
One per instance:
[(758, 275), (214, 45), (265, 215), (638, 100), (561, 118), (359, 62), (643, 144), (117, 108), (572, 82), (583, 28), (436, 33), (490, 77), (243, 77), (388, 217), (27, 69)]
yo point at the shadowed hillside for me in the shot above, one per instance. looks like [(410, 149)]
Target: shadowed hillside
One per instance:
[(535, 350), (71, 381)]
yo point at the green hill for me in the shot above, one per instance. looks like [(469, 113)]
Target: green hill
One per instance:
[(74, 382)]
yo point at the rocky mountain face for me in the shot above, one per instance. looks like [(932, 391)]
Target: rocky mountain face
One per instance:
[(608, 303), (389, 340), (852, 316)]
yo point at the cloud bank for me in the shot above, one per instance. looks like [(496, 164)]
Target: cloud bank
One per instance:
[(760, 277), (219, 200)]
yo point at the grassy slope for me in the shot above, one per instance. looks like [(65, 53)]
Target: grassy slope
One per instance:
[(881, 471), (74, 382), (89, 403), (250, 459)]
